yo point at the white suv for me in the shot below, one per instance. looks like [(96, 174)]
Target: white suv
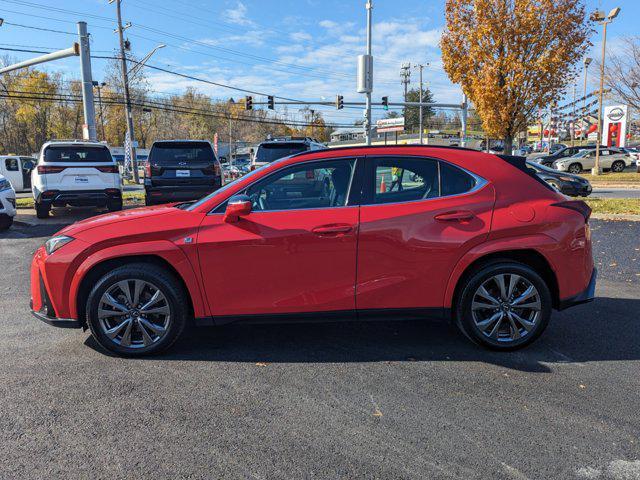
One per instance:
[(7, 203), (76, 173)]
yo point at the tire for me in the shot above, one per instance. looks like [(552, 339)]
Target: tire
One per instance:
[(166, 326), (501, 334), (114, 205), (42, 211), (575, 168), (618, 166)]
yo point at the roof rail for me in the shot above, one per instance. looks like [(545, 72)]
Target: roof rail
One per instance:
[(72, 140)]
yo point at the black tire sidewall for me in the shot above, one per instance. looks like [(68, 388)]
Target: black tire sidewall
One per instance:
[(155, 275), (42, 211), (464, 317)]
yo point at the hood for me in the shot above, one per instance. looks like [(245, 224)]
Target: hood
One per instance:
[(116, 217)]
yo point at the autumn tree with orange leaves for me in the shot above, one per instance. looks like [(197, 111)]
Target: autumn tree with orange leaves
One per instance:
[(513, 57)]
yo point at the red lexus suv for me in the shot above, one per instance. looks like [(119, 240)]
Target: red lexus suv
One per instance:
[(400, 232)]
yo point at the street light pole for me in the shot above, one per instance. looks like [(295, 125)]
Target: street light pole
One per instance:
[(368, 97), (127, 97), (604, 22), (583, 133)]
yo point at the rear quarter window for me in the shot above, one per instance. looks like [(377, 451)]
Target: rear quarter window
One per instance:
[(71, 154), (454, 181)]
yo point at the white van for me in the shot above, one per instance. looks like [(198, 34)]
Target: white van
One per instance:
[(75, 173), (17, 169)]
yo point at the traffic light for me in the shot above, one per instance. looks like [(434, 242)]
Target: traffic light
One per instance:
[(248, 103), (270, 102), (385, 103), (339, 102)]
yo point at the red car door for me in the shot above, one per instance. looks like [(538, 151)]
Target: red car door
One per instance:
[(296, 250), (417, 218)]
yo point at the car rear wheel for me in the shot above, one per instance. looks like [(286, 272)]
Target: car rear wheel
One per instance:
[(575, 168), (503, 306), (5, 222), (618, 166), (137, 309), (42, 211), (114, 205)]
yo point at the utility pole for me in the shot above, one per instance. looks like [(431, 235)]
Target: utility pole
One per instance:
[(89, 130), (604, 21), (405, 77), (573, 118), (420, 67), (369, 57), (463, 121), (127, 97)]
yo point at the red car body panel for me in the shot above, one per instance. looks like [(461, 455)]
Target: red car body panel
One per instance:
[(403, 250), (386, 256), (274, 262)]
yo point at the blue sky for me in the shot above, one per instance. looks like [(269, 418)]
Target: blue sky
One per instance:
[(304, 49)]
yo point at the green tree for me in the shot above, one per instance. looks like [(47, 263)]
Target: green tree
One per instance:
[(412, 114)]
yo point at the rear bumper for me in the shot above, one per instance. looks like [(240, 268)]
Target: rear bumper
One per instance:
[(587, 295), (177, 193), (80, 198)]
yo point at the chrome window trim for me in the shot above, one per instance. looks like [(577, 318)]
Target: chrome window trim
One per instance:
[(354, 158)]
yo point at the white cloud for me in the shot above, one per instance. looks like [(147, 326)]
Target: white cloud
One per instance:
[(300, 36), (328, 24), (238, 15)]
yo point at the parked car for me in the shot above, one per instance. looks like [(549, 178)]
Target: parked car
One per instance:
[(610, 159), (524, 150), (181, 170), (75, 173), (276, 148), (566, 152), (478, 238), (17, 170), (7, 203), (567, 183)]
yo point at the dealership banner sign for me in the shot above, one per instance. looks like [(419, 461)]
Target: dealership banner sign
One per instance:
[(615, 125)]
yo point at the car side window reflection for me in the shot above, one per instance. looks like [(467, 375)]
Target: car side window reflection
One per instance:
[(407, 179), (310, 185)]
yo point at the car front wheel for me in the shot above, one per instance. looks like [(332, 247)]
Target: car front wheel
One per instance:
[(137, 309), (503, 306)]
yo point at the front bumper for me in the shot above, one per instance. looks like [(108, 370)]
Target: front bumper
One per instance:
[(57, 322), (8, 203), (587, 295), (576, 189)]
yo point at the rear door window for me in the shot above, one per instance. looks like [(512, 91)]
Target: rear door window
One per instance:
[(11, 164), (268, 152), (73, 154), (181, 154)]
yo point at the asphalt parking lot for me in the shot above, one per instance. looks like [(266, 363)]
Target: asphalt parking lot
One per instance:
[(376, 400)]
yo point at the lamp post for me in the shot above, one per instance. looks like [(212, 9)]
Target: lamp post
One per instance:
[(604, 21), (99, 86), (587, 62)]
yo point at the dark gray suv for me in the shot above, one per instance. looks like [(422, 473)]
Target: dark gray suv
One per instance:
[(181, 170)]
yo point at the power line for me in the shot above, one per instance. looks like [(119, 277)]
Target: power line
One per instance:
[(39, 28)]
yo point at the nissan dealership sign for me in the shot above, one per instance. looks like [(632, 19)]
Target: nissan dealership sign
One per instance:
[(615, 125)]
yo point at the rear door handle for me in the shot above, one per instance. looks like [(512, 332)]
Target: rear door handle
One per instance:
[(332, 229), (457, 216)]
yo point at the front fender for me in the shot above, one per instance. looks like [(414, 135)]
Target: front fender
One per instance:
[(164, 249), (541, 243)]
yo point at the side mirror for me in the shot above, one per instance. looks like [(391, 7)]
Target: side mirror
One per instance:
[(238, 206)]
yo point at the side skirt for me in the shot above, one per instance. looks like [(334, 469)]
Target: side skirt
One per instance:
[(387, 314)]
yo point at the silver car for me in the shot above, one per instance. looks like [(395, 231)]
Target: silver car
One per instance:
[(610, 159)]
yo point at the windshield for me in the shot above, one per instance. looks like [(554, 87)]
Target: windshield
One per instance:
[(175, 153), (268, 152), (73, 153), (228, 186)]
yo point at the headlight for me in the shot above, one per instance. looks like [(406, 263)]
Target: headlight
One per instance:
[(4, 185), (54, 243), (568, 179)]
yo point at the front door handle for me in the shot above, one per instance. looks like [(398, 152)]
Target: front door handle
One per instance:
[(333, 229), (457, 216)]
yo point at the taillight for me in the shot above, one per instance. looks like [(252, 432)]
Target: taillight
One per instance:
[(44, 169), (108, 169), (577, 206), (216, 167), (147, 170)]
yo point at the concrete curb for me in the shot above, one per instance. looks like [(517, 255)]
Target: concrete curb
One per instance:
[(616, 216)]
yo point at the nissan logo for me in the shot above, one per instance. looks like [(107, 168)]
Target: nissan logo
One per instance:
[(616, 114)]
